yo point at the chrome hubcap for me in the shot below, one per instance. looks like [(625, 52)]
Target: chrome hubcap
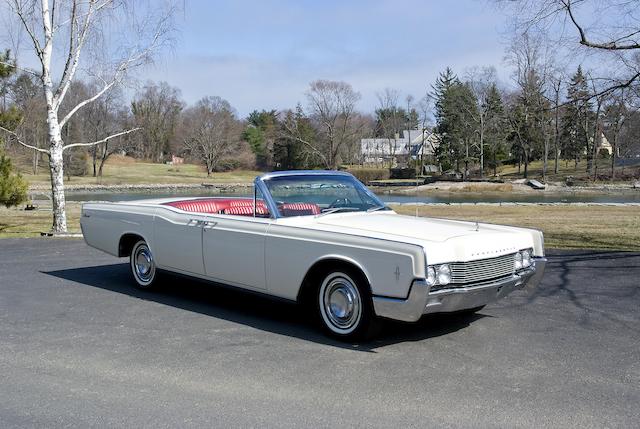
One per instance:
[(143, 264), (341, 302)]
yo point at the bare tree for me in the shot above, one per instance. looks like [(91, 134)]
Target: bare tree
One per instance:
[(529, 54), (156, 110), (615, 114), (105, 115), (26, 94), (555, 82), (332, 105), (481, 81), (70, 28), (212, 131), (390, 120), (607, 28)]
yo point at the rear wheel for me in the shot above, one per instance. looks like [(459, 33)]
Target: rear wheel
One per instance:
[(143, 266), (344, 306)]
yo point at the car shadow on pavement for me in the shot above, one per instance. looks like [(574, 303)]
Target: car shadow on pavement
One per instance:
[(255, 310)]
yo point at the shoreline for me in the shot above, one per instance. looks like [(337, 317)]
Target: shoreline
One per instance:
[(154, 187), (516, 187)]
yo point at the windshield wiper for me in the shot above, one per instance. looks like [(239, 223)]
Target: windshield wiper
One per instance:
[(337, 209)]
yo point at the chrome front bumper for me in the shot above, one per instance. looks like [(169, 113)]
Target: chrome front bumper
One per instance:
[(422, 300)]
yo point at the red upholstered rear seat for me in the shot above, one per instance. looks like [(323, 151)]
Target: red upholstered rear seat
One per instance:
[(242, 207), (213, 205), (246, 210)]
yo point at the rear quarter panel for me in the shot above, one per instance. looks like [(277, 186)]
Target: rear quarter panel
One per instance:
[(103, 224)]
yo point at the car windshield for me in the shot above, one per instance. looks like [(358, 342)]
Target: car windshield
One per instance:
[(316, 194)]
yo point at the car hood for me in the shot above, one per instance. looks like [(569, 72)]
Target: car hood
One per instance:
[(463, 240)]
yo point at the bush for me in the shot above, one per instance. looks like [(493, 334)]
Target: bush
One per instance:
[(13, 188), (366, 175), (403, 173), (244, 159), (76, 162)]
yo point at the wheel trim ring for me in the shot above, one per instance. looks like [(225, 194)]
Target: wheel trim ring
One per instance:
[(143, 264), (340, 303)]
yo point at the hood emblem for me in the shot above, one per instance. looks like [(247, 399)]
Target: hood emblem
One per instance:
[(477, 226), (397, 273)]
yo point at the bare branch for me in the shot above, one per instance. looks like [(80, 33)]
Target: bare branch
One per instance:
[(104, 140), (610, 46), (73, 57), (17, 139), (85, 102), (122, 68), (36, 43)]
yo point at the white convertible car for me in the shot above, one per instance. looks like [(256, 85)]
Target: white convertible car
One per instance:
[(321, 238)]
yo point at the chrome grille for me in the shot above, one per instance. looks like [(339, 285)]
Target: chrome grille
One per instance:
[(482, 270)]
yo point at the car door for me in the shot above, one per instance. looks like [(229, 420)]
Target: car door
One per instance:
[(178, 240), (233, 250)]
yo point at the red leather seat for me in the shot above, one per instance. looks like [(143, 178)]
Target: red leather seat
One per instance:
[(199, 206), (218, 205), (299, 209), (246, 210), (242, 207)]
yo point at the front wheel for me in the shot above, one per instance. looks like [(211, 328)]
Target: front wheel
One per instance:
[(143, 266), (344, 306)]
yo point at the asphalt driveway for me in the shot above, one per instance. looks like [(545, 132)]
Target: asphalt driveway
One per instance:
[(81, 347)]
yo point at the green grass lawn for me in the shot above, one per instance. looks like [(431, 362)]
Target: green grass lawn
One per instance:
[(125, 171)]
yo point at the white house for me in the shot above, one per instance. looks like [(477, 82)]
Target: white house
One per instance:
[(391, 151)]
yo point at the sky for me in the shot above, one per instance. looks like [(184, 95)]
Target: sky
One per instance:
[(263, 54)]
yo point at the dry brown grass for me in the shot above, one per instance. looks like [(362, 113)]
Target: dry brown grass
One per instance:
[(564, 226), (20, 223), (483, 187)]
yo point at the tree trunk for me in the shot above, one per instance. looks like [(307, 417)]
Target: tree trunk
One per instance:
[(482, 153), (57, 188), (557, 133), (56, 170), (614, 146)]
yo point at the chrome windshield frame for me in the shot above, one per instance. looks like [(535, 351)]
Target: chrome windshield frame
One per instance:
[(260, 184)]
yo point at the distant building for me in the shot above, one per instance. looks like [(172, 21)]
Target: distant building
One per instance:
[(398, 150), (605, 145), (176, 160)]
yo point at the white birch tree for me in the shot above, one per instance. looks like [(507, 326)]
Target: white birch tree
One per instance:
[(61, 35)]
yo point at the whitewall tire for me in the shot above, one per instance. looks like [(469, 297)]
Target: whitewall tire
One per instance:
[(344, 305), (143, 266)]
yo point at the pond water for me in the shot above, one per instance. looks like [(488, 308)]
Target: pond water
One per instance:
[(386, 195)]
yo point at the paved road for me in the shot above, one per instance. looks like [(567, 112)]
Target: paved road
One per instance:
[(80, 347)]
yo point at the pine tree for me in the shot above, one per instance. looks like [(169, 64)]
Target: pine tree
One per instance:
[(576, 118), (455, 112), (495, 127)]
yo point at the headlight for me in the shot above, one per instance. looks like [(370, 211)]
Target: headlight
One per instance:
[(517, 263), (444, 274), (526, 258), (431, 276)]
